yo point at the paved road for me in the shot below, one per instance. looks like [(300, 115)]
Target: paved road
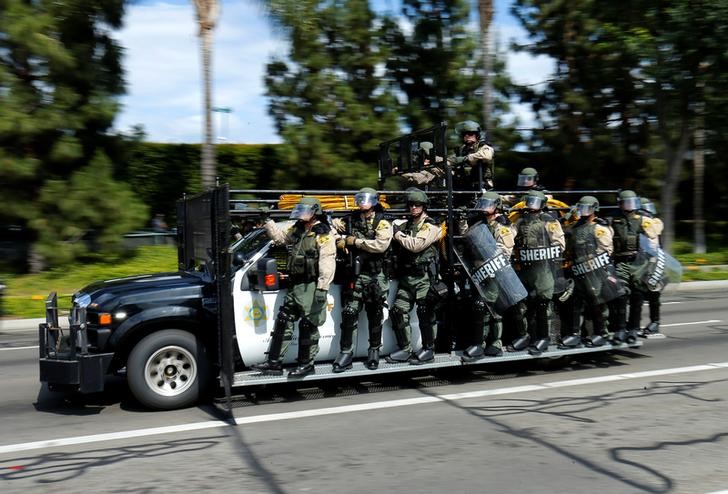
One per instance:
[(649, 420)]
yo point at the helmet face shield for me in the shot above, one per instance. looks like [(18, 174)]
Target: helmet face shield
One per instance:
[(365, 199), (630, 203), (303, 212), (649, 206), (585, 209), (533, 202), (486, 205), (526, 180)]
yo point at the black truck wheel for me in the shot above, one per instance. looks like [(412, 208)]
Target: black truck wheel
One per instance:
[(168, 369)]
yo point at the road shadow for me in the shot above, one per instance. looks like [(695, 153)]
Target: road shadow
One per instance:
[(576, 409)]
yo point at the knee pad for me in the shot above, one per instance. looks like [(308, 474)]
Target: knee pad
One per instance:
[(479, 307), (284, 317), (349, 316)]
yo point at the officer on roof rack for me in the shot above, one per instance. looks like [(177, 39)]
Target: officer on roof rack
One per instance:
[(311, 265), (473, 161)]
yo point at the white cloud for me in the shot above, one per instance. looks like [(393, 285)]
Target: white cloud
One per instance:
[(162, 63), (164, 76)]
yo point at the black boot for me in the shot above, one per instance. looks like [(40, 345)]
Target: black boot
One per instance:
[(271, 367), (571, 341), (520, 344), (539, 347), (595, 341), (619, 337), (424, 356), (343, 362), (493, 351), (373, 359), (398, 357), (472, 353), (302, 370)]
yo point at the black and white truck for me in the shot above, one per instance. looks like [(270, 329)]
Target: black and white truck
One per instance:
[(182, 336)]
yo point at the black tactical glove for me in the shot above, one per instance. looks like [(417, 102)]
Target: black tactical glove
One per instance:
[(263, 214), (459, 160), (396, 227)]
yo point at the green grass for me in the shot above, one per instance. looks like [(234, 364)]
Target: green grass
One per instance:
[(25, 294)]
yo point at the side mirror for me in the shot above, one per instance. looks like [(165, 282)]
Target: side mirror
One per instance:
[(267, 274), (238, 259)]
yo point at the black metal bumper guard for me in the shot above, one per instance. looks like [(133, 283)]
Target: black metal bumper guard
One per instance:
[(65, 363)]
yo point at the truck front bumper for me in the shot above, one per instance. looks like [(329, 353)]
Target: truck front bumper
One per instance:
[(65, 363)]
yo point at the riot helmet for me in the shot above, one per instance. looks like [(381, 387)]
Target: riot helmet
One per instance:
[(416, 196), (648, 205), (587, 206), (469, 128), (488, 203), (425, 147), (527, 178), (535, 200), (366, 198), (628, 201), (306, 209)]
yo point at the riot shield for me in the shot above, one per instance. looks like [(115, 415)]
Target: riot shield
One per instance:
[(539, 268), (596, 279), (655, 268), (490, 269)]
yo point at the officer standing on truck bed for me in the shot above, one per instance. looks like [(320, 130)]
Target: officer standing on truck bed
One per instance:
[(539, 247), (416, 255), (367, 237), (311, 264), (627, 228), (488, 324)]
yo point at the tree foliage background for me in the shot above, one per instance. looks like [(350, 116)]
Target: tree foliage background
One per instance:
[(60, 78)]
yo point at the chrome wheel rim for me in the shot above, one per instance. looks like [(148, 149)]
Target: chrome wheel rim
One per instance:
[(170, 371)]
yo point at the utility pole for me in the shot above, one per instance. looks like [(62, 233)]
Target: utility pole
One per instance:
[(207, 14)]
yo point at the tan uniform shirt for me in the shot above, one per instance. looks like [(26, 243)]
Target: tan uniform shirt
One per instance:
[(381, 241), (427, 234), (556, 234), (327, 250), (604, 235)]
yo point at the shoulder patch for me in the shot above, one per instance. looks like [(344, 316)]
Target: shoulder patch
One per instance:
[(322, 239), (505, 231), (598, 232), (425, 226), (553, 226), (646, 223), (383, 224)]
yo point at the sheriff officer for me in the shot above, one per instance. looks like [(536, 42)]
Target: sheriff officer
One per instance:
[(311, 264), (539, 247), (368, 236), (628, 226), (488, 323), (416, 265)]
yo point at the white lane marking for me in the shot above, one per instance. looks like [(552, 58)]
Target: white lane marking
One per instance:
[(19, 348), (669, 303), (709, 321), (274, 417)]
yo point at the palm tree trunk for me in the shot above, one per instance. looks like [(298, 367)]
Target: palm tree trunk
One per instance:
[(208, 150)]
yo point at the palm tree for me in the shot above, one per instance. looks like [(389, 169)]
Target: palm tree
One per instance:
[(485, 16), (207, 14)]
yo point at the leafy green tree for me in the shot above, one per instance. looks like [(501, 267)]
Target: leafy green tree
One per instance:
[(629, 80), (326, 99), (60, 79)]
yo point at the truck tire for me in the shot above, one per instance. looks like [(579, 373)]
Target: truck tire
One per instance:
[(168, 369)]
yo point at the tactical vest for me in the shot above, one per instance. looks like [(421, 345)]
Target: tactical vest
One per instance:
[(303, 253), (471, 180), (370, 262), (409, 262), (581, 241), (626, 234)]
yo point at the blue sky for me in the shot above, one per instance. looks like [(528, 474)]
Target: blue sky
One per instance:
[(162, 64)]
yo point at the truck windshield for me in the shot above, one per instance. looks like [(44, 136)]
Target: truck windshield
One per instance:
[(250, 244)]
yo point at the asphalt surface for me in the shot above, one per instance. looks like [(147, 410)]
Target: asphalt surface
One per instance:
[(646, 420)]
